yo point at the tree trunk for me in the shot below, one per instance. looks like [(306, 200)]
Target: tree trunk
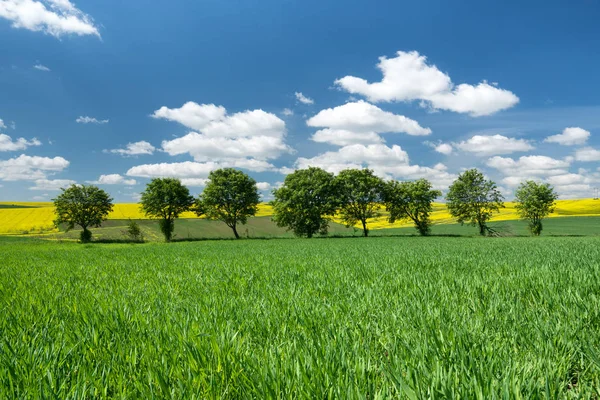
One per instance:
[(481, 228), (235, 232), (365, 230)]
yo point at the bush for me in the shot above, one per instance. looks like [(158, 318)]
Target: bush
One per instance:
[(133, 231)]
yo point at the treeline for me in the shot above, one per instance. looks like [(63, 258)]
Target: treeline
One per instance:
[(309, 199)]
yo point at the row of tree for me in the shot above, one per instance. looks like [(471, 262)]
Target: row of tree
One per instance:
[(309, 199)]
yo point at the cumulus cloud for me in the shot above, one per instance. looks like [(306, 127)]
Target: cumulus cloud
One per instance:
[(113, 179), (491, 145), (264, 186), (90, 120), (360, 123), (53, 17), (408, 77), (30, 167), (41, 67), (190, 169), (7, 144), (444, 148), (236, 138), (287, 112), (134, 149), (361, 116), (569, 137), (386, 162), (587, 154), (303, 99), (2, 125), (187, 169), (52, 184), (206, 148), (194, 182), (528, 168)]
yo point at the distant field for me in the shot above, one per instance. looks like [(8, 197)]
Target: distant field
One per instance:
[(374, 318), (36, 218)]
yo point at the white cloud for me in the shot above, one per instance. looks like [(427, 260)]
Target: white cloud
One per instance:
[(341, 137), (137, 148), (213, 121), (361, 116), (30, 167), (587, 154), (566, 179), (303, 99), (2, 125), (528, 167), (387, 162), (360, 123), (287, 112), (194, 182), (7, 144), (53, 17), (193, 115), (263, 186), (41, 67), (90, 120), (52, 184), (113, 179), (206, 148), (569, 137), (187, 169), (440, 147), (248, 137), (444, 148), (190, 169), (408, 77), (492, 145)]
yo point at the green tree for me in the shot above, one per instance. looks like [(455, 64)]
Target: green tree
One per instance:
[(305, 202), (230, 196), (86, 206), (473, 199), (164, 199), (360, 194), (534, 202), (411, 200)]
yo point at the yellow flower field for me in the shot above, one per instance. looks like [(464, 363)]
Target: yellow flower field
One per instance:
[(24, 217)]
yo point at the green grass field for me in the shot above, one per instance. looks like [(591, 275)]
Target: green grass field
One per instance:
[(381, 317), (263, 227)]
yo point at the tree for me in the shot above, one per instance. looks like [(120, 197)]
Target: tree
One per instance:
[(165, 199), (411, 200), (534, 202), (86, 206), (305, 201), (473, 199), (230, 196), (360, 194)]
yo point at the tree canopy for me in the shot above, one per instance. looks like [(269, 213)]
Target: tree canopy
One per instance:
[(230, 196), (305, 202), (360, 194), (165, 199), (473, 199), (534, 202), (82, 205), (411, 200)]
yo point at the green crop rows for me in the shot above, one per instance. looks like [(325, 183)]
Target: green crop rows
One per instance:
[(337, 318)]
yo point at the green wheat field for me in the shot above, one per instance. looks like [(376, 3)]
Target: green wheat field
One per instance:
[(403, 317)]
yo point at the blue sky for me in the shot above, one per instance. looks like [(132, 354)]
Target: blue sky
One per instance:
[(116, 93)]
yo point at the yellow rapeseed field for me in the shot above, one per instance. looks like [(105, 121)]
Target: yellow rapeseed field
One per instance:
[(29, 217)]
